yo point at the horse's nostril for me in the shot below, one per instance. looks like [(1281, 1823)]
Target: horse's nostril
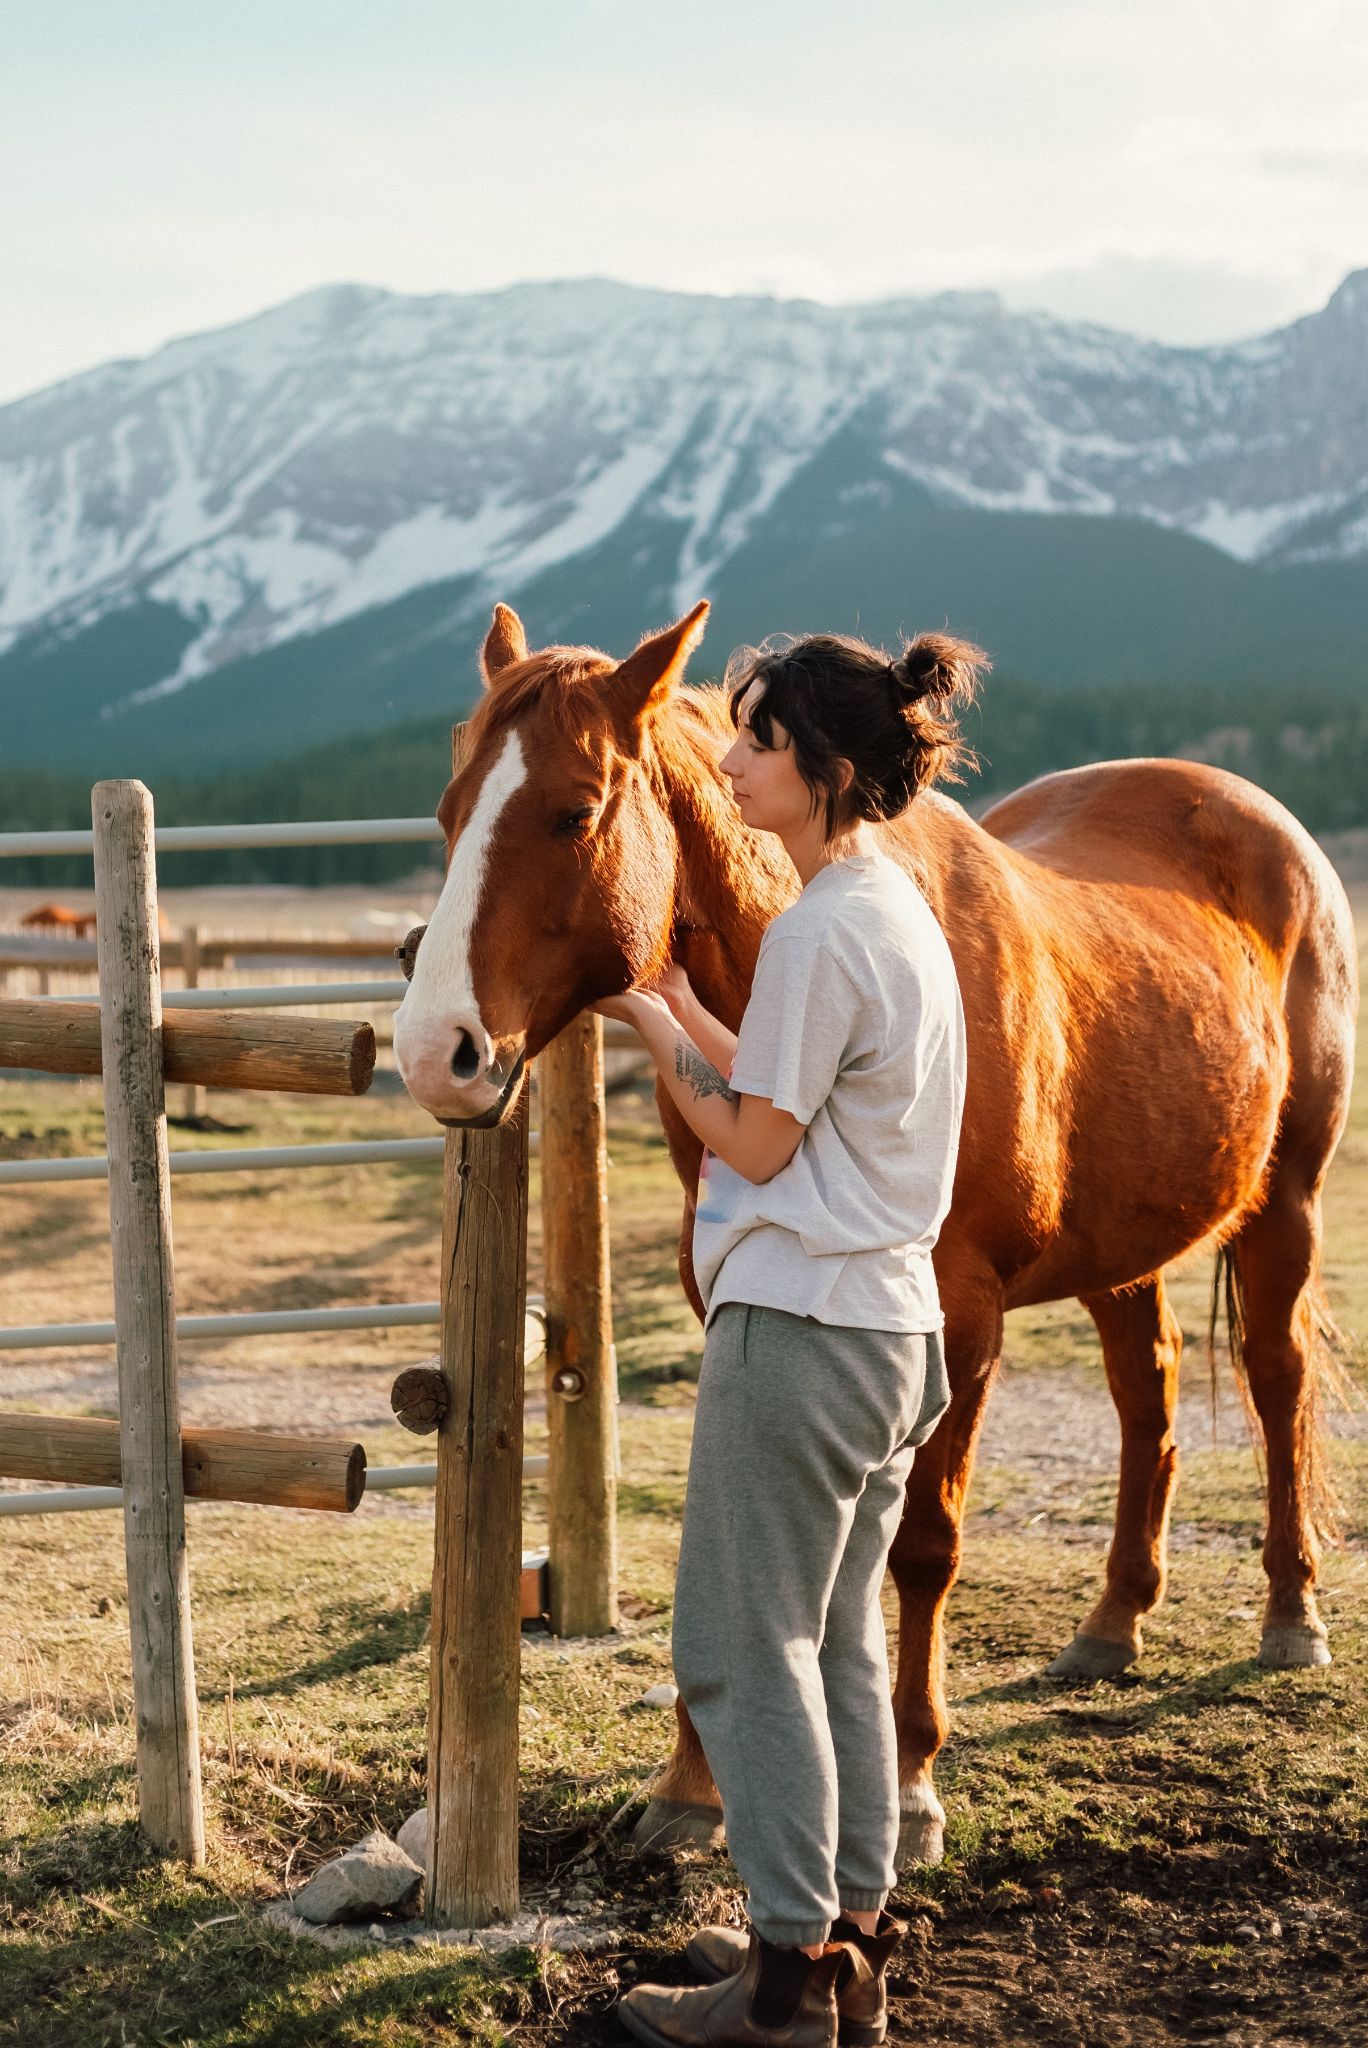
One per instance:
[(465, 1061)]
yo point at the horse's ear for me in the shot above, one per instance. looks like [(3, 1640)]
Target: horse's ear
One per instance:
[(647, 677), (505, 643)]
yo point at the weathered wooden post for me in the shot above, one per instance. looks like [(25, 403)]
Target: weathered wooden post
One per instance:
[(581, 1374), (472, 1849), (169, 1796)]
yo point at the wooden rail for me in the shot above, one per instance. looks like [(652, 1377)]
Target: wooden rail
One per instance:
[(216, 1464), (221, 1048)]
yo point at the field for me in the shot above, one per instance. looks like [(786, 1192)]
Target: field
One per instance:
[(1175, 1856)]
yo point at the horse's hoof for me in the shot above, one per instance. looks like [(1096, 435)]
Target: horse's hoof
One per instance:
[(671, 1824), (1293, 1649), (1091, 1657), (921, 1839)]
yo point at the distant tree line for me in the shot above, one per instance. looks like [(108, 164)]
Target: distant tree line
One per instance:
[(1307, 747)]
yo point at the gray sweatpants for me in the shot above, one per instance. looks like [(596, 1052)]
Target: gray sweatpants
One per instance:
[(803, 1440)]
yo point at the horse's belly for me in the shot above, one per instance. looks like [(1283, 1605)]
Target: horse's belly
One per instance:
[(1160, 1166)]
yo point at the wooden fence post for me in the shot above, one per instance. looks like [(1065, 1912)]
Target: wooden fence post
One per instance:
[(169, 1797), (472, 1842), (581, 1368), (472, 1864)]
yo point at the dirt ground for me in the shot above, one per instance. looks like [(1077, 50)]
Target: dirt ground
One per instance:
[(1175, 1856)]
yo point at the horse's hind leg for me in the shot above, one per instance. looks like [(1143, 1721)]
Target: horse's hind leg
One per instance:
[(926, 1553), (1276, 1263), (1142, 1340)]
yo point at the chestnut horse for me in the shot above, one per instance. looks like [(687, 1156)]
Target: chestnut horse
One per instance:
[(56, 917), (1160, 981)]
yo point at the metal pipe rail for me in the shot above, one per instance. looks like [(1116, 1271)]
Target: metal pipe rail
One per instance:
[(235, 1159), (79, 956), (271, 1323), (282, 995), (225, 838), (268, 1323)]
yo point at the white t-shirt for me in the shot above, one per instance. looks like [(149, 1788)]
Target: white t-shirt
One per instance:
[(856, 1027)]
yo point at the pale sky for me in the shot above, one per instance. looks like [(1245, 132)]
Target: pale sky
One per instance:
[(1192, 169)]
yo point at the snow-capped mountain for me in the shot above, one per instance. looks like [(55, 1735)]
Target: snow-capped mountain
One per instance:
[(352, 447), (293, 527)]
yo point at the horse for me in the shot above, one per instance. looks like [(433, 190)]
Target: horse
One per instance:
[(80, 924), (58, 917), (1160, 985)]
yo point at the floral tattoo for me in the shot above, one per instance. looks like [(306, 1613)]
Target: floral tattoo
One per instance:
[(703, 1078)]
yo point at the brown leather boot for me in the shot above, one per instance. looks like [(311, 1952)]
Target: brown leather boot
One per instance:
[(862, 1995), (775, 1998)]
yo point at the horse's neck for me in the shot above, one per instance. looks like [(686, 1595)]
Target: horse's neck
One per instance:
[(733, 883)]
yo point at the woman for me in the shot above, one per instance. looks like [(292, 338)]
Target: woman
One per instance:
[(830, 1124)]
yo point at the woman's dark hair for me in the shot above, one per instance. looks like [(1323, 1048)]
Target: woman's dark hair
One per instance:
[(838, 698)]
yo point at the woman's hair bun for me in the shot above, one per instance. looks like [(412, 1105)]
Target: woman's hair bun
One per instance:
[(843, 704), (934, 665)]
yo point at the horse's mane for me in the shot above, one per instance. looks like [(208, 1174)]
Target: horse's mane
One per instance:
[(561, 679)]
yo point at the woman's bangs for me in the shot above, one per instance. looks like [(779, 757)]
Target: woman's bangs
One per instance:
[(760, 715)]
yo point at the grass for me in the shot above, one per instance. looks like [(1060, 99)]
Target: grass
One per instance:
[(1119, 1855)]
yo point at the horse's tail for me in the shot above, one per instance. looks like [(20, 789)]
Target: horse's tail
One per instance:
[(1324, 1374)]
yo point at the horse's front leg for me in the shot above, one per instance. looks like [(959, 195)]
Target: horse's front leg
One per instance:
[(925, 1560), (685, 1809)]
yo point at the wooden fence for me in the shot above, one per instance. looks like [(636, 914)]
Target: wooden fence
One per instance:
[(483, 1320)]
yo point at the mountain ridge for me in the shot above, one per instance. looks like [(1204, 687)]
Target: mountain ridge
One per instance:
[(356, 453)]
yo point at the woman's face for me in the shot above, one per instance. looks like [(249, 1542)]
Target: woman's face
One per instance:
[(768, 790)]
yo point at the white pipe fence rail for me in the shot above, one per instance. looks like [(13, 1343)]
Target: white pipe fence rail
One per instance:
[(279, 1322), (230, 838), (236, 1159), (284, 995)]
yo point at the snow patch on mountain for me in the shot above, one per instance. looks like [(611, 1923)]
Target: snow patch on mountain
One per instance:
[(349, 447)]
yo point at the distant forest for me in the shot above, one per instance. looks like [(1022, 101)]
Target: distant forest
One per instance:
[(1308, 748)]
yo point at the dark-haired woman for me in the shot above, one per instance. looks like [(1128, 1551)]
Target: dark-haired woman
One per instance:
[(830, 1124)]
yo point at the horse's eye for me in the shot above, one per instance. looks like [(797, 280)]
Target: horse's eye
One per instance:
[(574, 822)]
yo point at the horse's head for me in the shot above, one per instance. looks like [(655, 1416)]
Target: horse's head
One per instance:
[(562, 876)]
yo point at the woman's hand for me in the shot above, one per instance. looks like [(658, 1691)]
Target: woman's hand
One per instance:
[(632, 1007), (673, 988)]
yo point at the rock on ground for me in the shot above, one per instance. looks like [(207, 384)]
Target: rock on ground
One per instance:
[(412, 1837), (374, 1877)]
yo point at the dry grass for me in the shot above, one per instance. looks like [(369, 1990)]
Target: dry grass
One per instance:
[(1119, 1856)]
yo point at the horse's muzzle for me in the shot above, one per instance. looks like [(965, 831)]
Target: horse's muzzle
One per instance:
[(497, 1112)]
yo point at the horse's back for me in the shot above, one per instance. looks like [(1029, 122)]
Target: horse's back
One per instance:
[(1180, 825)]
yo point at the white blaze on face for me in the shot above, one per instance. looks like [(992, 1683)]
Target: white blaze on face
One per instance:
[(440, 1003)]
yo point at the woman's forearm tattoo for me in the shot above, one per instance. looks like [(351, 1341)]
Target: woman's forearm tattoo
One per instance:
[(702, 1077)]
